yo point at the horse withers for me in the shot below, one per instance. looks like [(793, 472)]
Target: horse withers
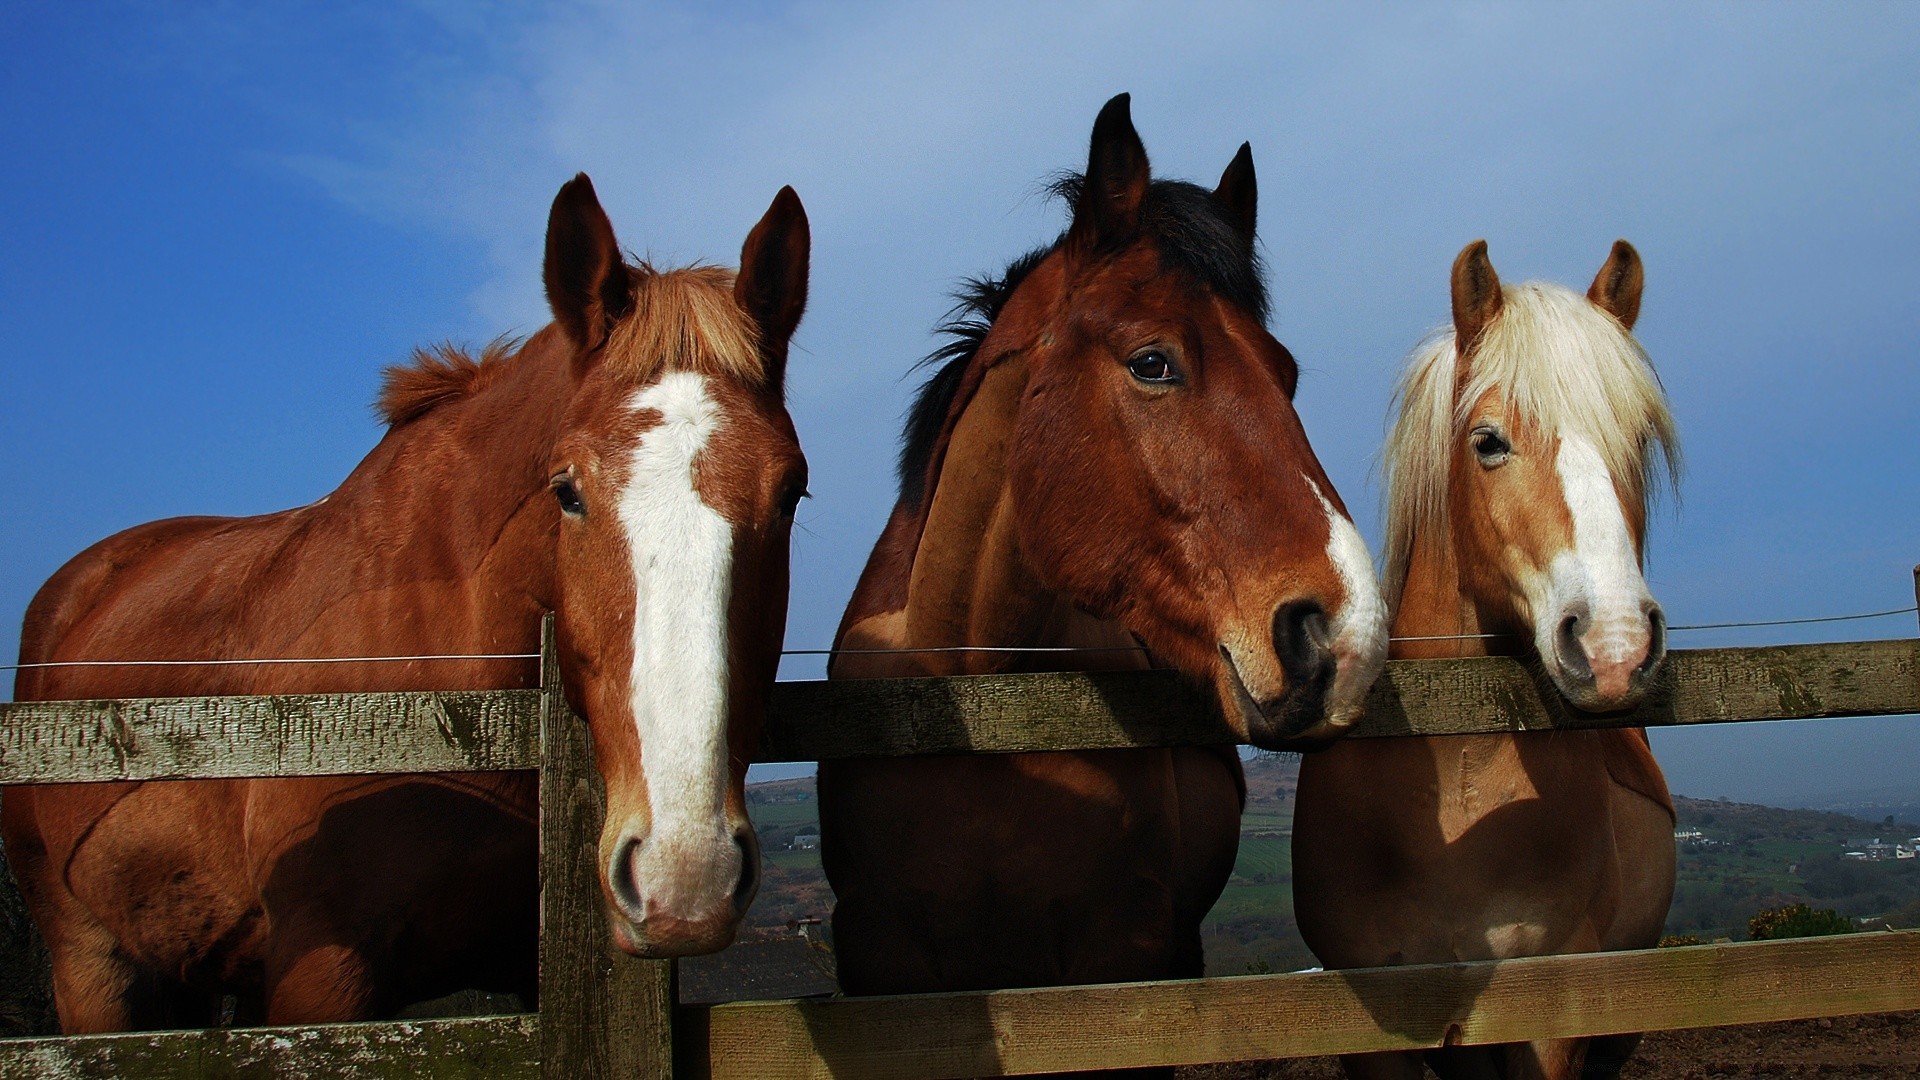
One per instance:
[(1519, 470), (633, 469), (1108, 459)]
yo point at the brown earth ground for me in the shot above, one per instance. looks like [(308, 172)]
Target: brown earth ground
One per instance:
[(1843, 1048)]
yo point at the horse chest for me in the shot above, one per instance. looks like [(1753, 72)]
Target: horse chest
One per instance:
[(1475, 778)]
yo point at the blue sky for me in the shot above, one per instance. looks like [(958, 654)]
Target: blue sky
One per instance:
[(221, 221)]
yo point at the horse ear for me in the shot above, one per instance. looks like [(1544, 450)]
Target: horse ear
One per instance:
[(1115, 186), (1616, 289), (1476, 294), (772, 283), (1237, 193), (587, 285)]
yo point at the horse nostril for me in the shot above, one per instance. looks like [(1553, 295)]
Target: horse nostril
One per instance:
[(1573, 656), (620, 879), (749, 883), (1656, 639), (1301, 640)]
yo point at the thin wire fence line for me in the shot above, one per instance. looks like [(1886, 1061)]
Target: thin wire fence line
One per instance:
[(1695, 626), (1908, 610), (870, 652), (1418, 637), (968, 648), (269, 660)]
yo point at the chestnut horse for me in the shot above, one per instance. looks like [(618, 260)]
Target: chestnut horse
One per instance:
[(1109, 458), (632, 469), (1519, 472)]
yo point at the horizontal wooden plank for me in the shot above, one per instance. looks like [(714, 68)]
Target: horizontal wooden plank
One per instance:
[(1011, 1032), (818, 721), (476, 1048), (288, 735), (165, 738), (1084, 710), (1697, 686)]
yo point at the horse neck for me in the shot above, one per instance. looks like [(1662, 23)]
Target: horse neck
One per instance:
[(460, 485), (971, 584), (1432, 603)]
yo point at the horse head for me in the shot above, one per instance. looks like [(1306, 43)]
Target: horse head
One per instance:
[(1136, 418), (675, 480), (1531, 428)]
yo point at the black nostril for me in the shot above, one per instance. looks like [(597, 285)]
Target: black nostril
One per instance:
[(749, 883), (1656, 641), (1301, 640), (620, 882)]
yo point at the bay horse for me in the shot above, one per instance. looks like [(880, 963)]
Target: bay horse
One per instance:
[(1519, 471), (1108, 458), (632, 469)]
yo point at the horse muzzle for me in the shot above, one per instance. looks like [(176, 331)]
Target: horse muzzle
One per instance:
[(1606, 666), (670, 897), (1294, 719)]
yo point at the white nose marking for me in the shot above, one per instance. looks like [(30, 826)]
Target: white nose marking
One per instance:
[(1604, 566), (1360, 623), (682, 551)]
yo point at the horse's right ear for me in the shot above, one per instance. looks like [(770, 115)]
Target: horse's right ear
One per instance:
[(772, 283), (1616, 288), (587, 285), (1115, 186), (1238, 194), (1476, 295)]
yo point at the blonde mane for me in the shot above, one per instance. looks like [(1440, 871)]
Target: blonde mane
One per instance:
[(681, 320), (1564, 364)]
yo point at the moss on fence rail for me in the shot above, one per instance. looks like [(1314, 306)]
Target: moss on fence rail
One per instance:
[(480, 1048), (46, 742)]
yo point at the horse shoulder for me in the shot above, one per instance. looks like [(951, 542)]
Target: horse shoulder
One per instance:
[(1631, 765)]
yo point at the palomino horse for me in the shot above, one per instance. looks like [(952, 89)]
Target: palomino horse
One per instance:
[(1518, 478), (1108, 459), (632, 469)]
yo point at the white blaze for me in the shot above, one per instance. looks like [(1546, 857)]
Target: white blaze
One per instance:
[(1360, 625), (682, 549), (1602, 570)]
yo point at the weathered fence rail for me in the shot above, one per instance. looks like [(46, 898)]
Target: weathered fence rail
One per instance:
[(1269, 1016), (475, 1048), (324, 734), (605, 1014)]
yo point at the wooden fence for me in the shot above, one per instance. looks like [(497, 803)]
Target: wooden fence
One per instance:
[(606, 1014)]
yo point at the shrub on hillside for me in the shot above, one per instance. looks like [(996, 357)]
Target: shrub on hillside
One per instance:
[(1796, 920), (1906, 918)]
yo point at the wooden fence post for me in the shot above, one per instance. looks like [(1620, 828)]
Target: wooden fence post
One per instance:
[(603, 1014)]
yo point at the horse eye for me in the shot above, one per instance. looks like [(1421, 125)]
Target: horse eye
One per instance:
[(790, 500), (569, 496), (1492, 450), (1153, 366)]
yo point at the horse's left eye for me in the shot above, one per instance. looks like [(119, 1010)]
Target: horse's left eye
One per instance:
[(568, 496), (790, 499), (1153, 366), (1490, 448)]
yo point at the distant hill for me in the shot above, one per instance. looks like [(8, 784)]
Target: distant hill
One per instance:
[(1748, 857)]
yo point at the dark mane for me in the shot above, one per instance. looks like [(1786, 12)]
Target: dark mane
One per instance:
[(1194, 237), (437, 375), (976, 303)]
